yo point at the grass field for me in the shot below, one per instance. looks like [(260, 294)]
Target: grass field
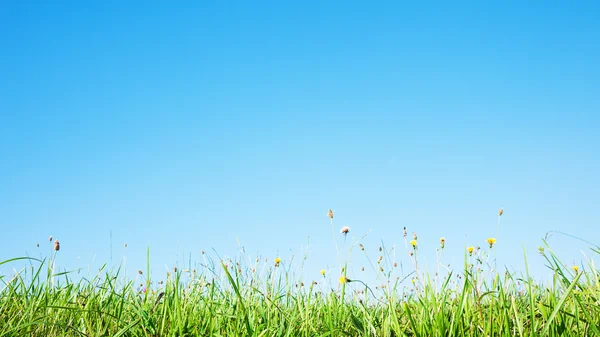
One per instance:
[(232, 297)]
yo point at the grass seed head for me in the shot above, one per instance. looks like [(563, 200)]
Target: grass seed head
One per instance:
[(56, 245)]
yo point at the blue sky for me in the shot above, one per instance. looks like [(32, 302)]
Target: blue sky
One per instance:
[(191, 126)]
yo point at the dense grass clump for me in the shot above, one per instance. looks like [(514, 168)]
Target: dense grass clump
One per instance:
[(226, 297)]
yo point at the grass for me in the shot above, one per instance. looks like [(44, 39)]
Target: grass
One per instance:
[(263, 298)]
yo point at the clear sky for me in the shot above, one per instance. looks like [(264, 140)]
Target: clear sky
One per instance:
[(191, 126)]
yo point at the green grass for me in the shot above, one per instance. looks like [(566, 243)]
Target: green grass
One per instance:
[(264, 298)]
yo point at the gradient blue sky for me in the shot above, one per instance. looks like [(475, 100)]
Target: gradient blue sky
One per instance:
[(186, 126)]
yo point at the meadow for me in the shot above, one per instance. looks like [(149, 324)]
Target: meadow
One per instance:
[(267, 297)]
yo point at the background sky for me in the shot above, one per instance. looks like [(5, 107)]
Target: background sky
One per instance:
[(192, 126)]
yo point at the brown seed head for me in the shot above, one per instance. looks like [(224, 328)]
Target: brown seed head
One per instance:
[(50, 239), (56, 245), (140, 272), (501, 211), (330, 213)]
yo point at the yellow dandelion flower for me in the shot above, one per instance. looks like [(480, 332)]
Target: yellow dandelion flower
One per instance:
[(576, 269), (413, 243), (470, 250), (491, 241), (323, 272), (277, 261), (343, 279)]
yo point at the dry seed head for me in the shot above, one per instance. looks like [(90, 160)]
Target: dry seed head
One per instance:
[(501, 211), (50, 239), (330, 213), (56, 245), (404, 231), (345, 230), (140, 272)]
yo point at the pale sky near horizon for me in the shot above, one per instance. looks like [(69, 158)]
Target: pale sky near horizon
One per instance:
[(194, 126)]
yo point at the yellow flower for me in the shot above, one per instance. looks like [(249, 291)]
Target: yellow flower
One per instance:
[(491, 241), (442, 242), (576, 269), (277, 261), (343, 279), (470, 250), (323, 272), (413, 243)]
